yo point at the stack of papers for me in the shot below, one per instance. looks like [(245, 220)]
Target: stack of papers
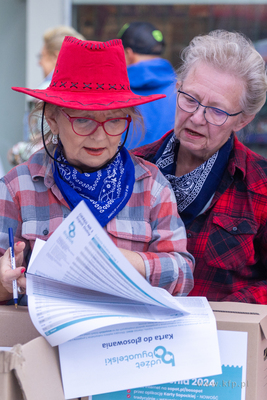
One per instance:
[(108, 321)]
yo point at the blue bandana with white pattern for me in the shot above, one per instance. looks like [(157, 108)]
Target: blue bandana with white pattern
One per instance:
[(195, 189), (105, 191)]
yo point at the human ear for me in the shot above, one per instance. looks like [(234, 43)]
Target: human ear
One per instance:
[(178, 84), (244, 121), (129, 56), (51, 119)]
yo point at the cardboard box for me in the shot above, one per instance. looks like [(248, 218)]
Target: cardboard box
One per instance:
[(30, 371), (250, 318)]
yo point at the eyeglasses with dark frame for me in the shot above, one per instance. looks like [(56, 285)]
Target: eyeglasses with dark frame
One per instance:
[(83, 126), (213, 115)]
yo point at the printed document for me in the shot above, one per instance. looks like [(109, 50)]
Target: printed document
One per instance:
[(108, 321), (79, 281), (139, 354)]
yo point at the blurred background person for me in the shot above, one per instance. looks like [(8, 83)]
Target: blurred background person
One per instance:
[(149, 74), (52, 41)]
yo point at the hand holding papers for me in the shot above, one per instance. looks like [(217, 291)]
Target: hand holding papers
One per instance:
[(86, 283), (81, 287)]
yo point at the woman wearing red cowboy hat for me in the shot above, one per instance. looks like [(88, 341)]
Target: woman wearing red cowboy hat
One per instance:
[(88, 106)]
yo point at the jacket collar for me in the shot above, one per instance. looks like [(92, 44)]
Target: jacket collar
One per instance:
[(237, 160)]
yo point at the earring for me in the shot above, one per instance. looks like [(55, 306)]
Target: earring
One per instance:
[(54, 139)]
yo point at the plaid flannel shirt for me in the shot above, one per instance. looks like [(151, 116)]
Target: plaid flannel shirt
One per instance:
[(229, 240), (31, 203)]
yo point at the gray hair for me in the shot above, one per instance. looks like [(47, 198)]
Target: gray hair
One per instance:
[(233, 53)]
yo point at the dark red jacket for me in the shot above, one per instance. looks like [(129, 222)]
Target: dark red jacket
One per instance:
[(229, 240)]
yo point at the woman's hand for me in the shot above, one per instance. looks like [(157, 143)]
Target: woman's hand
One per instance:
[(7, 274)]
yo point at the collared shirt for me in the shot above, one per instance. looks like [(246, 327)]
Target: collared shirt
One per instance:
[(229, 239), (31, 203)]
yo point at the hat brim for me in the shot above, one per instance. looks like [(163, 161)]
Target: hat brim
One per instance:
[(90, 100)]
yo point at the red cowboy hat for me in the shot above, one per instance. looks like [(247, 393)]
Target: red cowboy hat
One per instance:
[(90, 76)]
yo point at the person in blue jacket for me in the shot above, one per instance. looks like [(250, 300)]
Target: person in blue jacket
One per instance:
[(149, 74)]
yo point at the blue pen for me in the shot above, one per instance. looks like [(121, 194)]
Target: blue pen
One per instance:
[(13, 265)]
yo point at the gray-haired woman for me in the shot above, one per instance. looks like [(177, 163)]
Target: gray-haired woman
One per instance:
[(220, 185)]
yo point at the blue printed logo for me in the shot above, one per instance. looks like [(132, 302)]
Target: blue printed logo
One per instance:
[(166, 356), (72, 230)]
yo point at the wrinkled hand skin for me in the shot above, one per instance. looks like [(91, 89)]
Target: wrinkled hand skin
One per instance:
[(7, 275)]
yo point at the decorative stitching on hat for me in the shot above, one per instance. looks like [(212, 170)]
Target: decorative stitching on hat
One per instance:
[(74, 84), (87, 85), (96, 46), (89, 104), (90, 85), (74, 40)]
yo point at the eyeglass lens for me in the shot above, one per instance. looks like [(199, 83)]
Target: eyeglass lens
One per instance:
[(113, 127), (212, 115)]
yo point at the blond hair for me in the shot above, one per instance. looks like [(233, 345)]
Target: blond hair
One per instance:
[(54, 37)]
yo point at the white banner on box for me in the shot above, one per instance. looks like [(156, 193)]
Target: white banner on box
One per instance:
[(230, 385), (137, 354)]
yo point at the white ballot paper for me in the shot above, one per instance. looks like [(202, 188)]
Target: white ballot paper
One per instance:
[(78, 282), (140, 354)]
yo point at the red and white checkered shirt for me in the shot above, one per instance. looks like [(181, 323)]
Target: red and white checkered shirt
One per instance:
[(31, 203)]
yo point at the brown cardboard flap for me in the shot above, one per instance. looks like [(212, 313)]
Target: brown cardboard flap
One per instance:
[(9, 359), (31, 372), (9, 388), (39, 374)]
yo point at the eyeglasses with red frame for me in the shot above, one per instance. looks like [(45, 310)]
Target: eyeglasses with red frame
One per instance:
[(83, 126)]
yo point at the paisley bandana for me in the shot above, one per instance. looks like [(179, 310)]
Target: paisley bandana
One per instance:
[(106, 192), (195, 189)]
